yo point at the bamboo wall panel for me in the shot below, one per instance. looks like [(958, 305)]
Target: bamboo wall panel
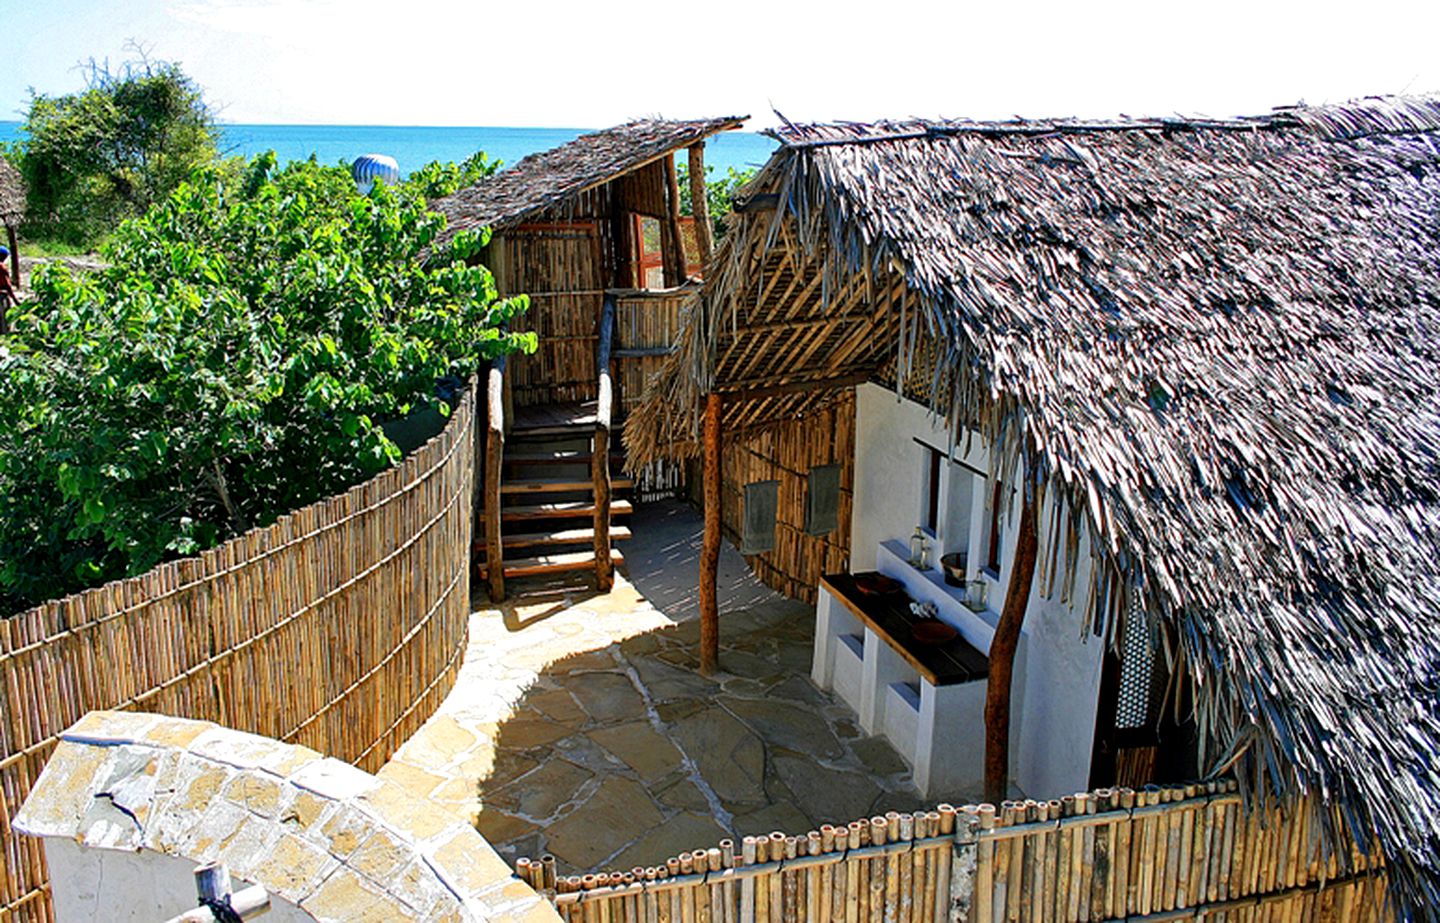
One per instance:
[(786, 452), (340, 627), (561, 267), (650, 322), (1176, 853), (643, 190)]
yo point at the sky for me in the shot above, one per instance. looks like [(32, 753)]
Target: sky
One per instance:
[(596, 63)]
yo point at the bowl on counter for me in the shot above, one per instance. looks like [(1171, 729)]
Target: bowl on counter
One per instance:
[(877, 584), (954, 565), (932, 631)]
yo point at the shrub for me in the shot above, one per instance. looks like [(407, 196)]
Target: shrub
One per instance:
[(235, 361)]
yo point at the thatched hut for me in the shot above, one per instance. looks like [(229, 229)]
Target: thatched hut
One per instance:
[(591, 231), (12, 212), (1198, 355)]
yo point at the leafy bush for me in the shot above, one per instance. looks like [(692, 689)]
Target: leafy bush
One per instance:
[(719, 194), (437, 179), (97, 157), (234, 362)]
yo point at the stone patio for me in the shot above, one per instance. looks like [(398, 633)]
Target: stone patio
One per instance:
[(579, 726)]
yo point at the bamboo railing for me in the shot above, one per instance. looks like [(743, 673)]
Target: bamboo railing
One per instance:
[(340, 627), (1175, 853)]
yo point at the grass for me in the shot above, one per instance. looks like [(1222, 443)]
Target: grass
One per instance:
[(46, 248)]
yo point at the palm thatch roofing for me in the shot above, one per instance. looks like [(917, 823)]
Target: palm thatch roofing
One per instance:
[(1219, 339), (12, 194), (541, 181)]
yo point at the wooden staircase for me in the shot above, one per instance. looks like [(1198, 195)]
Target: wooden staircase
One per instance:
[(548, 510), (548, 497)]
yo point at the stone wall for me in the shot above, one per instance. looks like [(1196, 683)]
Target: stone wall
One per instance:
[(139, 793)]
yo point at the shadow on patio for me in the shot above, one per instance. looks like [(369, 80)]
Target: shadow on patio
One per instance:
[(579, 725)]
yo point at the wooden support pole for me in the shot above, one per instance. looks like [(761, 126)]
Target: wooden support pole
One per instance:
[(674, 253), (494, 458), (600, 458), (710, 546), (699, 203), (1002, 654)]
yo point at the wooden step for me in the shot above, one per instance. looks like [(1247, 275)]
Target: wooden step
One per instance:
[(556, 485), (556, 563), (562, 510), (554, 419), (562, 457), (562, 537)]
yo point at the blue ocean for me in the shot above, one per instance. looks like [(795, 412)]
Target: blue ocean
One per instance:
[(415, 146)]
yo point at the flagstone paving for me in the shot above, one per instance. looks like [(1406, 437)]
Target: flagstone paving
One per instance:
[(579, 726)]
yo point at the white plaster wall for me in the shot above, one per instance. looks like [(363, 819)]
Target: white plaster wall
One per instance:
[(890, 475), (1062, 686), (121, 886), (1056, 724)]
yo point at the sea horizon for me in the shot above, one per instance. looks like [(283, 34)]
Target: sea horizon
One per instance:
[(413, 146)]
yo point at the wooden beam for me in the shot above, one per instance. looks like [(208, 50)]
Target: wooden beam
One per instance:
[(710, 545), (794, 387), (699, 202), (674, 255), (1002, 655)]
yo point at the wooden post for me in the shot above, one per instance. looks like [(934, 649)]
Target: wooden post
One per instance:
[(699, 204), (710, 546), (494, 458), (600, 457), (14, 275), (675, 253), (1002, 654)]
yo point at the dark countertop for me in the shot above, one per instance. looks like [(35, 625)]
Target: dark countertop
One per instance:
[(955, 661)]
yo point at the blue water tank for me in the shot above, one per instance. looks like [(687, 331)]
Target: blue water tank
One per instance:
[(370, 168)]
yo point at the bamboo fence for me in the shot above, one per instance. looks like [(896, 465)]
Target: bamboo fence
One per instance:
[(340, 627), (786, 453), (1174, 853)]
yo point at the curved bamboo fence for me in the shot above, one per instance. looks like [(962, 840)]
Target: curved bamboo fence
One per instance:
[(340, 627), (1187, 852)]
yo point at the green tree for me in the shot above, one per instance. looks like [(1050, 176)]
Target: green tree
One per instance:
[(96, 157), (719, 194), (437, 179), (238, 359)]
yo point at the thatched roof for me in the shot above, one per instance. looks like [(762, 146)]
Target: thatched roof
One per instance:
[(1219, 339), (543, 180), (12, 194)]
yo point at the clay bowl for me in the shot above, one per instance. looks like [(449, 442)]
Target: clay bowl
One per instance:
[(932, 631), (877, 584)]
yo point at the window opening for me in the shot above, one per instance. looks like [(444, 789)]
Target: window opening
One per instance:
[(931, 520), (996, 529)]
